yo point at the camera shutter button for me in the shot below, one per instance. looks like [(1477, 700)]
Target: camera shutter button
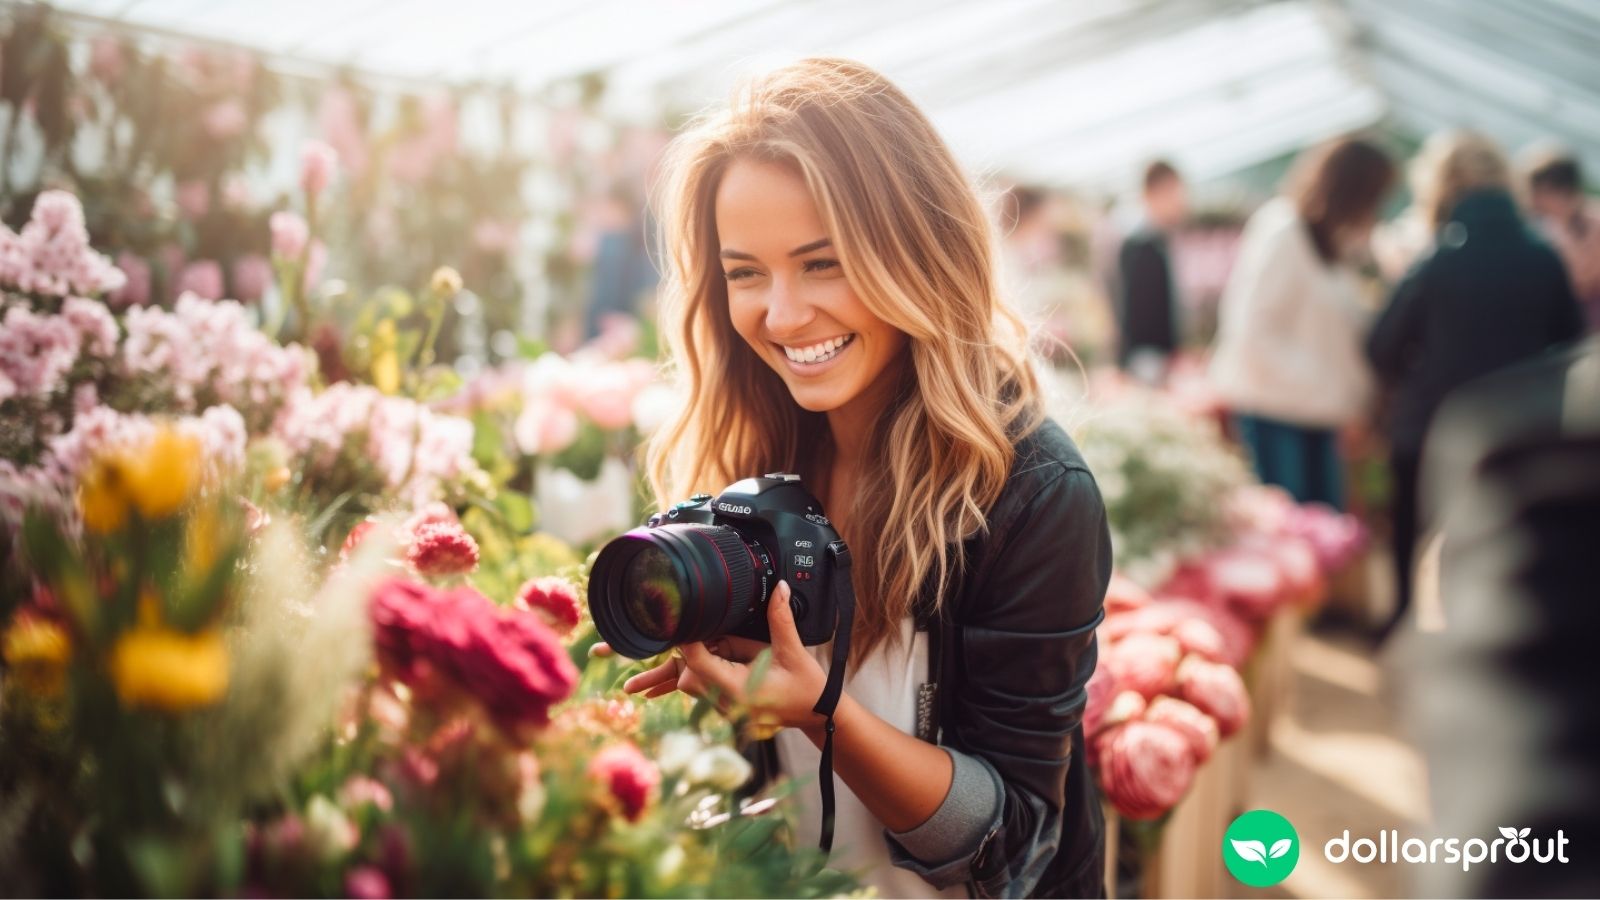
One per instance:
[(797, 604)]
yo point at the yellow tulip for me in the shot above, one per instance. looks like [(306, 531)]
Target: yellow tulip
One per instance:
[(103, 494), (37, 650), (166, 473), (161, 668)]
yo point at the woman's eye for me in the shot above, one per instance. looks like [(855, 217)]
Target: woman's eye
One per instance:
[(821, 265), (738, 274)]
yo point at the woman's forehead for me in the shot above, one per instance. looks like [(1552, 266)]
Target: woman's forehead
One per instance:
[(764, 207)]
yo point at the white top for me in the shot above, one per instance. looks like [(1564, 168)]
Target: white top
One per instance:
[(1290, 331), (885, 683)]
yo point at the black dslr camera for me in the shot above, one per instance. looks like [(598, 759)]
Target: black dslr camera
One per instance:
[(708, 567)]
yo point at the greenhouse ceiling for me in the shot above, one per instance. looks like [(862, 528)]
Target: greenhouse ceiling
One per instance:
[(1075, 93)]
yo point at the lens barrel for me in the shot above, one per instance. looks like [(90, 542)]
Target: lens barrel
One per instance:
[(655, 588)]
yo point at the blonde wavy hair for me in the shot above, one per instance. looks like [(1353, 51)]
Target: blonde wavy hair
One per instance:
[(1452, 164), (917, 247)]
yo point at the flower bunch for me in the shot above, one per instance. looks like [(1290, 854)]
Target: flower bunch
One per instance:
[(354, 437), (51, 256), (457, 643), (206, 353)]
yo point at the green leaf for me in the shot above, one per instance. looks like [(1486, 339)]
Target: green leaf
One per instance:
[(517, 509)]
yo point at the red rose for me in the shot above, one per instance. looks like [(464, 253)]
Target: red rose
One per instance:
[(1217, 690), (1199, 729), (1144, 662), (628, 776), (512, 664), (1145, 768), (554, 600)]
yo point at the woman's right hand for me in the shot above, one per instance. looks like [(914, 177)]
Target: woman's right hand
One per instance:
[(663, 679)]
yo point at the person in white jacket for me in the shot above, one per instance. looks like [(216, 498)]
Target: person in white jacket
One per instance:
[(1288, 358)]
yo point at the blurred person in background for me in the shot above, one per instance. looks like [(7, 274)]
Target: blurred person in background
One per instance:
[(1288, 359), (1569, 219), (1512, 474), (1488, 294), (1147, 311)]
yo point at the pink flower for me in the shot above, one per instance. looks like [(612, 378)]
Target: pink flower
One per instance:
[(606, 396), (252, 277), (360, 790), (1248, 581), (226, 119), (554, 600), (441, 550), (203, 278), (1199, 729), (106, 58), (367, 883), (545, 427), (36, 351), (289, 234), (628, 776), (1201, 638), (1124, 595), (1217, 690), (317, 164), (1102, 687), (193, 199), (1145, 768), (97, 330), (135, 290), (1144, 662), (513, 665)]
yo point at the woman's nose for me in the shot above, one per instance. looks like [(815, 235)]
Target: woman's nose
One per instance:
[(788, 313)]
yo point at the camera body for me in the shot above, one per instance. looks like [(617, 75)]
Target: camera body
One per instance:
[(788, 536)]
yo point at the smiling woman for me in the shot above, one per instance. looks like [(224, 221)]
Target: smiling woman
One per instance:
[(831, 309)]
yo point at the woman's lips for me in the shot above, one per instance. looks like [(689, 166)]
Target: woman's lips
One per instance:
[(814, 369)]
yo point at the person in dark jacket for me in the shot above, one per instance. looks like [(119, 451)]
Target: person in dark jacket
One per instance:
[(1512, 474), (1147, 311), (832, 309), (1490, 293)]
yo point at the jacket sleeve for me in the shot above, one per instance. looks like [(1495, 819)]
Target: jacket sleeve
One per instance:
[(1026, 650), (1392, 343)]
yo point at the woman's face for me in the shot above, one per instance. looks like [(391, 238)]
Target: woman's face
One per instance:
[(787, 293)]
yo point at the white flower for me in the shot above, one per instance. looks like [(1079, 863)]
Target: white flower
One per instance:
[(720, 768), (676, 750), (670, 861), (329, 832)]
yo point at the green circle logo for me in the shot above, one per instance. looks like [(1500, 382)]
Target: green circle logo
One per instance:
[(1261, 848)]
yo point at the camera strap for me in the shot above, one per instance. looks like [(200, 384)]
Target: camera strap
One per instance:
[(844, 602)]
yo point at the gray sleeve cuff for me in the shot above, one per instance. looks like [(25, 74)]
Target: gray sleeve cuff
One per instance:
[(956, 829)]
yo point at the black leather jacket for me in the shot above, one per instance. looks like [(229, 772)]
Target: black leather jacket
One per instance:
[(1011, 656)]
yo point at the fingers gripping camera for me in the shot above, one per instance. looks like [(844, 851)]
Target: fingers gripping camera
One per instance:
[(708, 567)]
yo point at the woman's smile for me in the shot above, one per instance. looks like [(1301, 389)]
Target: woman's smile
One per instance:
[(811, 360)]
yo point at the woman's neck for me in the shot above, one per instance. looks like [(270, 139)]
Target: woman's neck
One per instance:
[(852, 425)]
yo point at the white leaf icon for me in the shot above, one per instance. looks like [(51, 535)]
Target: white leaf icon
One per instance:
[(1280, 848), (1255, 851), (1509, 832), (1524, 832)]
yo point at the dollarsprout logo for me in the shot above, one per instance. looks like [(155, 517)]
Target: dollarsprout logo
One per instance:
[(1261, 848)]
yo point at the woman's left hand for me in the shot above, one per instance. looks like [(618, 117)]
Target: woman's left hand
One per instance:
[(785, 696)]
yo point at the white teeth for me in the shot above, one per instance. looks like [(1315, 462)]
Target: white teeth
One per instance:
[(817, 352)]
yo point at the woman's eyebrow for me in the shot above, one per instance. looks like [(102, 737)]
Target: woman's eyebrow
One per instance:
[(729, 253)]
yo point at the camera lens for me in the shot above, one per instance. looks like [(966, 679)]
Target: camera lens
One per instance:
[(651, 597), (654, 588)]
